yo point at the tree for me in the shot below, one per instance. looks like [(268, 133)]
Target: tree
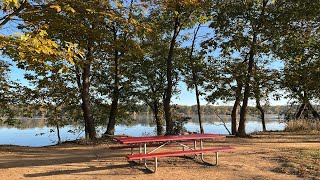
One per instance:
[(264, 83), (297, 44), (196, 65), (150, 76), (54, 94), (240, 31), (225, 82), (85, 31), (174, 16), (123, 27)]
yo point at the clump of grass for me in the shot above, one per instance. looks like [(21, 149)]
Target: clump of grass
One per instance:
[(313, 154), (305, 125), (304, 163)]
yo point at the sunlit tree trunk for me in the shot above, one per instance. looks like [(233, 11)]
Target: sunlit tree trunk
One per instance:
[(234, 116)]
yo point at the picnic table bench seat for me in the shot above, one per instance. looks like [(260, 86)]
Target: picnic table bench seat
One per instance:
[(178, 153)]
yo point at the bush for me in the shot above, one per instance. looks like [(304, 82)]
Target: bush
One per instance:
[(303, 125), (178, 125)]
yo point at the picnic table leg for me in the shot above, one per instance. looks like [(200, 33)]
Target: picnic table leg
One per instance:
[(217, 158), (201, 147), (202, 158), (145, 160), (145, 152), (155, 164), (195, 148), (140, 151)]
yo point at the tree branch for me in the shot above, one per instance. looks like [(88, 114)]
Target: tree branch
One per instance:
[(8, 17)]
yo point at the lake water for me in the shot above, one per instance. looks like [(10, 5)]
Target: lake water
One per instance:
[(36, 133)]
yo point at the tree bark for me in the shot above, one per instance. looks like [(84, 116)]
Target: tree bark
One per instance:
[(112, 117), (169, 64), (234, 116), (235, 109), (259, 107), (300, 111), (115, 97), (85, 96), (157, 118), (199, 108), (58, 134), (243, 111)]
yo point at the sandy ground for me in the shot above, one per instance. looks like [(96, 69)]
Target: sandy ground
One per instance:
[(255, 158)]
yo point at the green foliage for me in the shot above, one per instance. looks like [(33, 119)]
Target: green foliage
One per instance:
[(8, 94)]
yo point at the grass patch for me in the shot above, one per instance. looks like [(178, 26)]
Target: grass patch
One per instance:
[(303, 163)]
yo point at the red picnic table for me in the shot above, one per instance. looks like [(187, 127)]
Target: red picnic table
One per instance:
[(161, 141)]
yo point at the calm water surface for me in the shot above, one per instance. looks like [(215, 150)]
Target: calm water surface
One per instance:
[(35, 133)]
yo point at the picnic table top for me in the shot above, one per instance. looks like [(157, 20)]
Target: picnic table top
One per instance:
[(146, 139)]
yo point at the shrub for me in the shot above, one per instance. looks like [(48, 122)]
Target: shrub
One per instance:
[(303, 125)]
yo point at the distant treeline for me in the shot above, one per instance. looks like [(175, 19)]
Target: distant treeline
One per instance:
[(180, 110), (177, 109)]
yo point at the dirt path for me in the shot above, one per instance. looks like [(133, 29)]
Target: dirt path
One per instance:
[(258, 158)]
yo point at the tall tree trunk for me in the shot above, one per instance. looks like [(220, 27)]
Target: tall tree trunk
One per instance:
[(58, 134), (169, 64), (259, 107), (85, 96), (199, 109), (157, 118), (195, 78), (243, 111), (112, 117), (115, 97), (235, 109), (234, 116)]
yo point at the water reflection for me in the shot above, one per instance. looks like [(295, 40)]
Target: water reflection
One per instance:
[(34, 132)]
